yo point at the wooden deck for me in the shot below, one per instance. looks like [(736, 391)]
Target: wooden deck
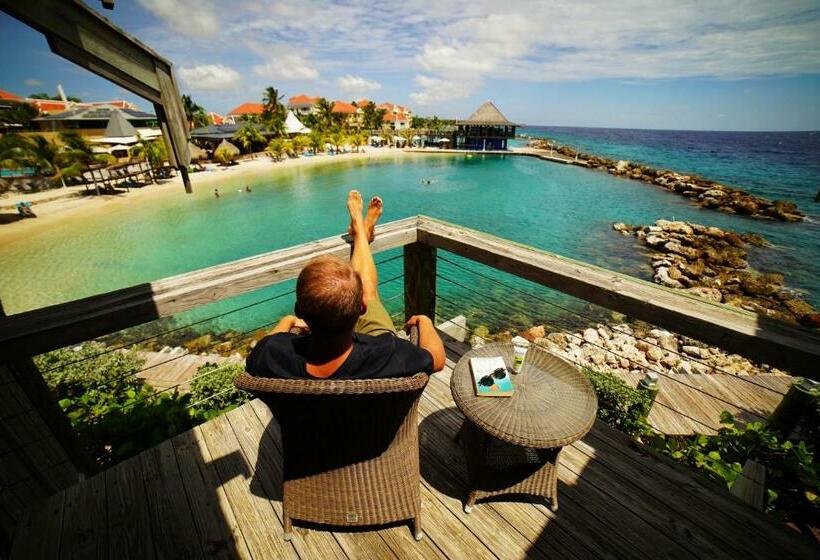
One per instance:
[(215, 491), (691, 403), (174, 367)]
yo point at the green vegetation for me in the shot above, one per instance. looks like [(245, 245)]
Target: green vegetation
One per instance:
[(153, 151), (47, 158), (792, 482), (116, 414), (195, 114), (225, 154), (18, 116), (619, 405), (43, 95), (213, 391)]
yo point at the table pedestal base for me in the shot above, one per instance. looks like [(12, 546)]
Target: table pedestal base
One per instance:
[(496, 467)]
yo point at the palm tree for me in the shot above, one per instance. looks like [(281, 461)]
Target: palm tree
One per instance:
[(249, 137), (317, 141), (357, 140), (338, 140), (277, 148), (272, 102), (300, 142), (194, 113), (324, 113)]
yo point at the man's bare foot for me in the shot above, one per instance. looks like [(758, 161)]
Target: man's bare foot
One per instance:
[(374, 212), (354, 206)]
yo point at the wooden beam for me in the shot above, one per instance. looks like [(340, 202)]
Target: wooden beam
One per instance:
[(772, 342), (41, 330), (419, 280)]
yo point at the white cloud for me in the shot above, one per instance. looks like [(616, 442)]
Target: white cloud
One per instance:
[(210, 77), (31, 82), (188, 17), (356, 84), (436, 90), (282, 62)]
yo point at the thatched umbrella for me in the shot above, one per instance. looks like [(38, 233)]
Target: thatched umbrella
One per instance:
[(196, 152), (225, 145)]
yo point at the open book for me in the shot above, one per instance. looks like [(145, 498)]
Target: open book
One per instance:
[(489, 380)]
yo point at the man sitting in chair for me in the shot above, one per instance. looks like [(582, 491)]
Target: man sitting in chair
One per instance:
[(347, 333)]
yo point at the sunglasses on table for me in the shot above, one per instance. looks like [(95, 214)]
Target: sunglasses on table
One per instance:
[(489, 380)]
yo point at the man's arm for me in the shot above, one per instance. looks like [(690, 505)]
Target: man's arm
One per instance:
[(428, 339)]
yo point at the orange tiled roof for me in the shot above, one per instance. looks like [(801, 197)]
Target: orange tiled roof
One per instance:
[(342, 107), (302, 99), (8, 96), (118, 103), (216, 118), (248, 108), (48, 105), (363, 102), (388, 106), (390, 117)]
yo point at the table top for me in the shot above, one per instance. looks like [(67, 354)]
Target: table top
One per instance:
[(553, 404)]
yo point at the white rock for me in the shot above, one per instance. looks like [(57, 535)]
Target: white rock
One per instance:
[(621, 166), (675, 227), (700, 368), (591, 336), (670, 360), (654, 353), (684, 367), (666, 339), (691, 350), (662, 277), (655, 240)]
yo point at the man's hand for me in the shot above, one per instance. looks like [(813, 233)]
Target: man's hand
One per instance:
[(289, 322), (414, 322)]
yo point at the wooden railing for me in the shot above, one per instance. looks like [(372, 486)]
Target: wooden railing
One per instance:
[(790, 348)]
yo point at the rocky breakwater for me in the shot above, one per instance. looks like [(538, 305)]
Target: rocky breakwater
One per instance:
[(712, 263), (635, 348), (704, 192)]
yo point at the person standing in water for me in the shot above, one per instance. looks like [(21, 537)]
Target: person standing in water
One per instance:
[(216, 193)]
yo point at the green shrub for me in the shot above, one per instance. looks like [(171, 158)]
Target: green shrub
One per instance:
[(619, 405), (214, 393), (791, 473), (113, 412)]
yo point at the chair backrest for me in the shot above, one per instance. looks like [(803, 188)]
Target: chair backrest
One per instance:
[(327, 425)]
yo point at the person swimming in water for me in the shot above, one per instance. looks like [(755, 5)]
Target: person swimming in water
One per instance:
[(247, 188), (216, 193)]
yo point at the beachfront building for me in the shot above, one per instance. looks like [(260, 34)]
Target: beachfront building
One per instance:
[(293, 126), (215, 118), (353, 115), (303, 104), (248, 111), (53, 106), (485, 129), (120, 136), (92, 121), (395, 122)]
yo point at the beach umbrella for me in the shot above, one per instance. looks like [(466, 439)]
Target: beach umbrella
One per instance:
[(442, 140), (234, 151), (375, 138), (399, 140), (414, 138), (196, 152)]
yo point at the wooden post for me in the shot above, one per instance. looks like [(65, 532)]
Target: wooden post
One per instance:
[(419, 280), (650, 385)]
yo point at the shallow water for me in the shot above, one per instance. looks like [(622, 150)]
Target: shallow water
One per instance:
[(559, 208)]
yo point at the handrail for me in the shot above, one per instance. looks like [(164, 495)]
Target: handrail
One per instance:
[(793, 349)]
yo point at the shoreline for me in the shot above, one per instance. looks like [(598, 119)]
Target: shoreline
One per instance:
[(71, 203)]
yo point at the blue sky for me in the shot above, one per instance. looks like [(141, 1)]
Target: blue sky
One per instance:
[(717, 65)]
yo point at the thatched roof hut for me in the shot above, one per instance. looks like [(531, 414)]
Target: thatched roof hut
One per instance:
[(487, 115), (233, 150)]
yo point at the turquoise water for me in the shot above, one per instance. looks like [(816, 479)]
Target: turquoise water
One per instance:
[(563, 209)]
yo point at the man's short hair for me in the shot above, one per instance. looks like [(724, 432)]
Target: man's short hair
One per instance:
[(329, 295)]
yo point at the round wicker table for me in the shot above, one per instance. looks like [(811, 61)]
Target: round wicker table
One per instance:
[(512, 444)]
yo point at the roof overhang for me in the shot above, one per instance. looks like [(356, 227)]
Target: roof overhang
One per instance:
[(79, 34)]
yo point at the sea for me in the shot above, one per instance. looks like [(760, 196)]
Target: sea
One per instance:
[(563, 209)]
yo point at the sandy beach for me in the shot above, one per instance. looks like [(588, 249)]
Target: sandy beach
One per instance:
[(60, 205)]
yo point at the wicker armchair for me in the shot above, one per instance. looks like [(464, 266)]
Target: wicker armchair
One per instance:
[(350, 448)]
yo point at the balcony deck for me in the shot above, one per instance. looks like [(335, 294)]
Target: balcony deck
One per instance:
[(214, 491)]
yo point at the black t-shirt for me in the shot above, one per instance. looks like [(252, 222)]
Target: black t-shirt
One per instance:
[(282, 355)]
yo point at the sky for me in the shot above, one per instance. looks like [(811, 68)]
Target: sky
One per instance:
[(686, 65)]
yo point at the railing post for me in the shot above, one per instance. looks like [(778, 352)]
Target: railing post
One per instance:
[(802, 395), (419, 280)]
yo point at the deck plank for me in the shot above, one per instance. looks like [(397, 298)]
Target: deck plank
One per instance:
[(38, 534), (219, 534), (84, 533), (254, 514), (172, 523), (129, 524)]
